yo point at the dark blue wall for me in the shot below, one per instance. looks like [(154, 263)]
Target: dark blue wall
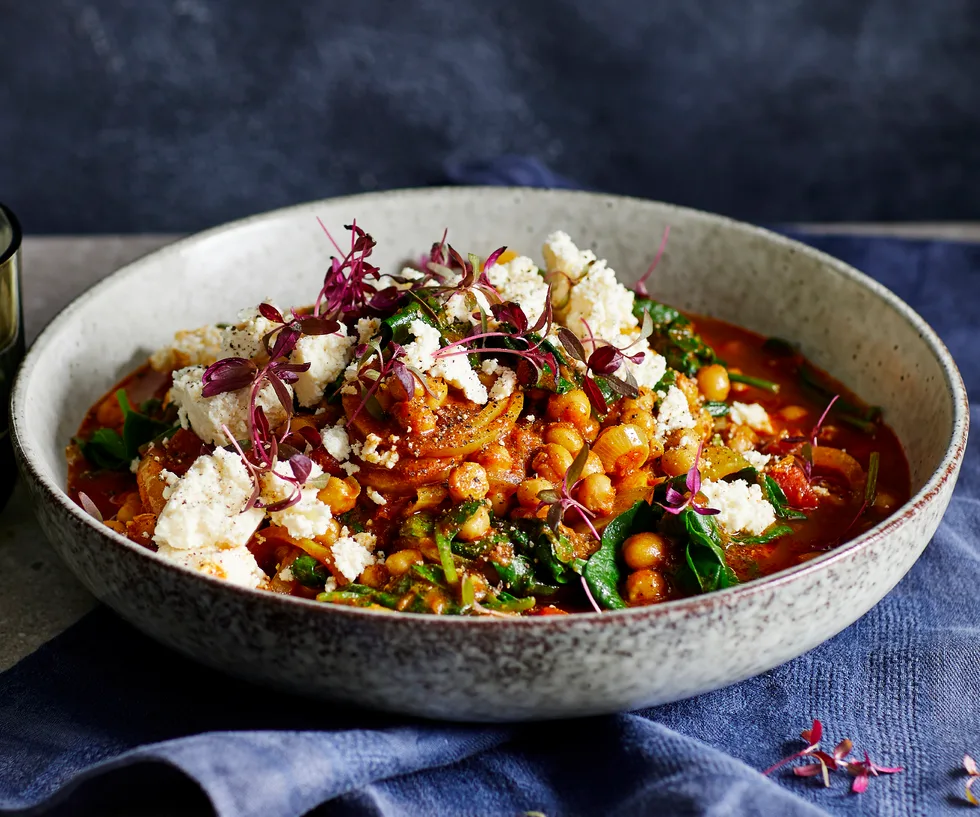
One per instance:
[(126, 115)]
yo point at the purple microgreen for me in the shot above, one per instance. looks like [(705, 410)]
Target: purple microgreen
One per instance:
[(589, 596), (509, 312), (623, 387), (314, 325), (862, 771), (89, 506), (270, 313), (547, 317), (252, 470), (676, 502), (595, 395), (346, 287), (641, 287), (332, 241), (815, 432), (560, 500), (492, 258), (970, 767), (301, 466), (572, 344), (605, 360), (405, 377), (812, 737), (286, 341), (228, 374)]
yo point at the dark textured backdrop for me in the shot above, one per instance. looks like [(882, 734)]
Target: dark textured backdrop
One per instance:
[(126, 115)]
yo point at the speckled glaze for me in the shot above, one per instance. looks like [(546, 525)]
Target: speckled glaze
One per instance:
[(477, 669)]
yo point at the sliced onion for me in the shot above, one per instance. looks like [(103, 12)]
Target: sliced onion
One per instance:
[(840, 462)]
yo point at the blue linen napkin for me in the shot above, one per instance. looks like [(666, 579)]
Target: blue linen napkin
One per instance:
[(903, 682)]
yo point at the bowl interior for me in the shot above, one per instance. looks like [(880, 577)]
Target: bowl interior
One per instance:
[(844, 322)]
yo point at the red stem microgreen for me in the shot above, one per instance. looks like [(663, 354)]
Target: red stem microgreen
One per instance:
[(345, 285), (676, 502), (862, 770), (641, 287), (970, 767), (604, 361), (560, 502)]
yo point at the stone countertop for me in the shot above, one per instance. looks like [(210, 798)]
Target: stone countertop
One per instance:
[(39, 598)]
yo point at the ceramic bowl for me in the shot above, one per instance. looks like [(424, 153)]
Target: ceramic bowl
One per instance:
[(498, 670)]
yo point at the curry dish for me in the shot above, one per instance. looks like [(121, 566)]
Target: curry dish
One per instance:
[(490, 437)]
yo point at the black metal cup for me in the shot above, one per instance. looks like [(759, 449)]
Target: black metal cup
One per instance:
[(11, 340)]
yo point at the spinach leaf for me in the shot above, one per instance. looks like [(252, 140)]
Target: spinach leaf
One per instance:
[(396, 327), (361, 595), (519, 578), (308, 571), (602, 571), (110, 450), (705, 553), (764, 538), (446, 530), (674, 337), (776, 497), (506, 603), (431, 573)]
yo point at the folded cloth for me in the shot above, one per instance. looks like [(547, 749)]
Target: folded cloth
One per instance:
[(903, 683)]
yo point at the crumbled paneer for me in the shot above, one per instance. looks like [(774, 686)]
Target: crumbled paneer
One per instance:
[(419, 352), (327, 355), (286, 574), (454, 369), (367, 328), (649, 371), (756, 459), (206, 415), (375, 497), (205, 507), (519, 280), (752, 415), (194, 347), (603, 303), (505, 384), (674, 413), (743, 507), (309, 517), (351, 554), (409, 274), (245, 338), (134, 465), (369, 452), (461, 306), (336, 441), (170, 480), (561, 255), (236, 565)]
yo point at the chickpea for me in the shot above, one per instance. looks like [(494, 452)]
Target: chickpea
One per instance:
[(634, 481), (639, 417), (401, 562), (573, 406), (565, 435), (414, 414), (643, 402), (118, 527), (713, 382), (551, 462), (742, 439), (689, 386), (593, 465), (477, 526), (793, 413), (375, 576), (468, 481), (643, 550), (132, 506), (501, 498), (680, 459), (597, 493), (340, 494), (527, 491), (589, 427), (495, 458), (646, 587)]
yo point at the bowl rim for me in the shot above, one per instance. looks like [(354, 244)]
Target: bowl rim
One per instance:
[(948, 468)]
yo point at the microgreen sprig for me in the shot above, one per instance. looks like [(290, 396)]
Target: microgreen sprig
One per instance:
[(861, 770), (641, 286), (376, 364), (346, 286), (559, 502), (677, 502), (604, 360), (970, 767)]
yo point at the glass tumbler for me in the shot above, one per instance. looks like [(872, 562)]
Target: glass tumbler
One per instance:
[(11, 340)]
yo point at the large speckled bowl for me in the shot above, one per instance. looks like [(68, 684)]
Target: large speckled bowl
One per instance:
[(468, 668)]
